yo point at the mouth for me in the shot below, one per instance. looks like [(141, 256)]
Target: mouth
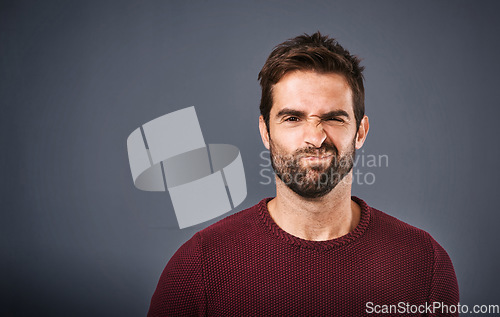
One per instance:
[(317, 157)]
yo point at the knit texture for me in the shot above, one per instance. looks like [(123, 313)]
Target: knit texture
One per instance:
[(246, 265)]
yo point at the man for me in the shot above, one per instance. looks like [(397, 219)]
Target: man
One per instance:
[(313, 249)]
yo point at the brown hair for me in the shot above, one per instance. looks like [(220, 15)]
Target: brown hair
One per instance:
[(316, 53)]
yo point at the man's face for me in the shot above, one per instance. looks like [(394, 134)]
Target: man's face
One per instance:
[(312, 132)]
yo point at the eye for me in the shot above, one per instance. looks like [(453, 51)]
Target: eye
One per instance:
[(336, 119), (292, 119)]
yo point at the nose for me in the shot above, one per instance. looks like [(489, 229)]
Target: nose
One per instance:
[(314, 133)]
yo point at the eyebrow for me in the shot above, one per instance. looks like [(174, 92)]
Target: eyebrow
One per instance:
[(297, 113), (290, 112), (335, 113)]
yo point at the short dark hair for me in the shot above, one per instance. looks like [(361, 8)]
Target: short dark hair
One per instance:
[(315, 53)]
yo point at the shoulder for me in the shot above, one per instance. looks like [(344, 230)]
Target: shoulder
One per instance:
[(389, 229), (182, 284), (241, 224), (418, 249), (410, 242), (387, 225)]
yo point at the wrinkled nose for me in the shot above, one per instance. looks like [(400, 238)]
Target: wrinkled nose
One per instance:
[(314, 134)]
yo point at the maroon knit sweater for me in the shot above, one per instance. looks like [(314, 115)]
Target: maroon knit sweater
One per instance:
[(245, 265)]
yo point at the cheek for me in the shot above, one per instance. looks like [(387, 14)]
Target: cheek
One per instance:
[(341, 138), (287, 139)]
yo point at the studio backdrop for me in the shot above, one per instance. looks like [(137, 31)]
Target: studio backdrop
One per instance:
[(80, 237)]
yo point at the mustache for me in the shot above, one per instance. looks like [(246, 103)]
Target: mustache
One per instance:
[(324, 149)]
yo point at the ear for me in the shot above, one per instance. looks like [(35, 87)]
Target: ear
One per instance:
[(364, 126), (263, 132)]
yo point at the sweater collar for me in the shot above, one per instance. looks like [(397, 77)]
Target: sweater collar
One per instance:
[(317, 245)]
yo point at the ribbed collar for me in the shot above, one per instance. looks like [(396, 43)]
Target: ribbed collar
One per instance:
[(317, 245)]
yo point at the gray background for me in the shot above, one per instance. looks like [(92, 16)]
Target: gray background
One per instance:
[(76, 78)]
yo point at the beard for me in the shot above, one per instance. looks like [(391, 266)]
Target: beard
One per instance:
[(312, 180)]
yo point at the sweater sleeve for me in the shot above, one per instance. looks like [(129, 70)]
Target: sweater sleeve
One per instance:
[(180, 290), (444, 286)]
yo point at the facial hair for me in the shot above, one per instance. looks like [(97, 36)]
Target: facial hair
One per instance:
[(312, 180)]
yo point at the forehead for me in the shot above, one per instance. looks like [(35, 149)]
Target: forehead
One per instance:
[(312, 92)]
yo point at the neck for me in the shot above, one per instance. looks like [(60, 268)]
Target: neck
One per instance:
[(316, 219)]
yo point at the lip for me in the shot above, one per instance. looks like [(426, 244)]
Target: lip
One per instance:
[(314, 158)]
